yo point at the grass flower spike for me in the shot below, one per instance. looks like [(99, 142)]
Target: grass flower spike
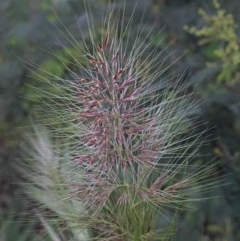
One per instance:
[(117, 159)]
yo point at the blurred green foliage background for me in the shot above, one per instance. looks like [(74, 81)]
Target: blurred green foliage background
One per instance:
[(34, 32)]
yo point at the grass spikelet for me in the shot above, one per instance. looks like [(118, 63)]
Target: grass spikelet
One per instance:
[(118, 156)]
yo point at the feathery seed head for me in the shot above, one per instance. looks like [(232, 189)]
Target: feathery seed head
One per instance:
[(125, 152)]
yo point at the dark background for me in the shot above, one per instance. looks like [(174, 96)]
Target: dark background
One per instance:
[(30, 31)]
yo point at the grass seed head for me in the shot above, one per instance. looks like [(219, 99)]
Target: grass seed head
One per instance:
[(120, 130)]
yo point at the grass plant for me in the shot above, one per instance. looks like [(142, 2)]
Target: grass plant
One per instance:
[(113, 158)]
